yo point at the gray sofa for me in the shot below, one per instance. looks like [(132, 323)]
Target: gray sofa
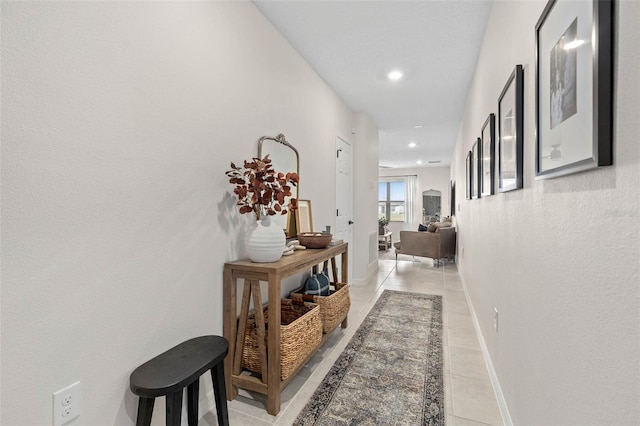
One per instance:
[(437, 243)]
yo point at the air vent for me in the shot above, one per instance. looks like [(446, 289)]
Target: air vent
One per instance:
[(435, 161), (384, 167)]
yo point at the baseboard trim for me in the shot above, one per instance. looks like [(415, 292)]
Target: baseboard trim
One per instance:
[(372, 271), (497, 389)]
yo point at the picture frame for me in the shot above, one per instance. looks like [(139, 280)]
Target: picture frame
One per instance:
[(511, 132), (477, 173), (452, 198), (488, 145), (304, 220), (469, 175), (574, 87)]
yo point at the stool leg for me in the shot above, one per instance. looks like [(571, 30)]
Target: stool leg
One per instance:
[(217, 376), (145, 410), (174, 408), (192, 402)]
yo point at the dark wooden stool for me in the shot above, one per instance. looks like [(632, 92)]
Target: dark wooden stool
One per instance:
[(179, 367)]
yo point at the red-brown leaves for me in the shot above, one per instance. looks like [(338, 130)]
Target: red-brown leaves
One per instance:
[(260, 189)]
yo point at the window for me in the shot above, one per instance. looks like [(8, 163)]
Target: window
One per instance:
[(391, 200)]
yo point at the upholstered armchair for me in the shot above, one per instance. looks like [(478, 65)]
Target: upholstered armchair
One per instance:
[(435, 245)]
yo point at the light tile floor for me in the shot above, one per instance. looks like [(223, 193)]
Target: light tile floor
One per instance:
[(469, 397)]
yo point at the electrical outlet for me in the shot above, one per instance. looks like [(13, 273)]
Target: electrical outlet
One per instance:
[(67, 400), (495, 319), (66, 404)]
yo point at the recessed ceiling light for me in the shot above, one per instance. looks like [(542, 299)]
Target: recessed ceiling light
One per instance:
[(419, 162), (418, 126), (412, 144), (395, 75)]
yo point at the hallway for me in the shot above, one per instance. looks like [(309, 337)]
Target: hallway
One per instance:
[(469, 397)]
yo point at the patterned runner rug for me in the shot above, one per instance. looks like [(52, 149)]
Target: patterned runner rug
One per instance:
[(390, 373)]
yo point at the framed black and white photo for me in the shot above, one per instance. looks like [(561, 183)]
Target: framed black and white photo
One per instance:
[(475, 168), (511, 132), (469, 175), (452, 198), (488, 136), (574, 87)]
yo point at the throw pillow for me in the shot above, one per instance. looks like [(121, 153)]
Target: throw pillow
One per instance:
[(318, 284), (422, 228), (432, 227)]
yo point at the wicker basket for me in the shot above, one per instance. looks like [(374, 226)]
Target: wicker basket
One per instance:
[(300, 334), (333, 308)]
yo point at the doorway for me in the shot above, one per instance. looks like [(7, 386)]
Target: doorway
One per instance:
[(344, 196)]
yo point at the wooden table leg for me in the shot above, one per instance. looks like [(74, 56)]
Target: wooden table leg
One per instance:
[(260, 329), (230, 321), (145, 410), (273, 346), (219, 395), (173, 409), (242, 327), (345, 278), (345, 266), (193, 392), (335, 270)]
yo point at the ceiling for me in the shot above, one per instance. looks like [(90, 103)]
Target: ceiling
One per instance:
[(353, 45)]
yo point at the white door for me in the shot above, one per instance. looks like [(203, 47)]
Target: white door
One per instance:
[(344, 197)]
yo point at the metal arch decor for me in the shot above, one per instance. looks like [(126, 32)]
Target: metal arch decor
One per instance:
[(574, 87), (283, 156)]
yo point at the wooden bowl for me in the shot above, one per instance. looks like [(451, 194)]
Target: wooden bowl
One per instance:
[(314, 240)]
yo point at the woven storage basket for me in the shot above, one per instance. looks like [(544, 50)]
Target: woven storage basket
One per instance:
[(333, 308), (300, 334)]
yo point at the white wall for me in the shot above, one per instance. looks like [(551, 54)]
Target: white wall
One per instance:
[(559, 258), (118, 122), (365, 196), (438, 178)]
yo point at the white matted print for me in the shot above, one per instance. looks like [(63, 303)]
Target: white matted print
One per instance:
[(573, 59)]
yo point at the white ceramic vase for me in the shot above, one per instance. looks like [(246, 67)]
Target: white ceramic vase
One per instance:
[(265, 241)]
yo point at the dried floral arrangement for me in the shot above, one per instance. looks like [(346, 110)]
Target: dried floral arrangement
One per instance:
[(260, 189)]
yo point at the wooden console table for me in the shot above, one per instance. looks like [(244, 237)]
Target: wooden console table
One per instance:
[(234, 327)]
